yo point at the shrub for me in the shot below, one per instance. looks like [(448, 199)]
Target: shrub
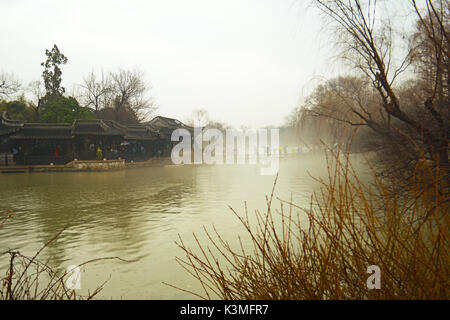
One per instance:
[(323, 252)]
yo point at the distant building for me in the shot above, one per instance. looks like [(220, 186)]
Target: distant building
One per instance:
[(59, 143)]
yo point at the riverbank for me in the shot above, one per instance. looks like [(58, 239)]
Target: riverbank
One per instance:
[(86, 165), (102, 165)]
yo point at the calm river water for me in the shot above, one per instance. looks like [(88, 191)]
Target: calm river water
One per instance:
[(138, 214)]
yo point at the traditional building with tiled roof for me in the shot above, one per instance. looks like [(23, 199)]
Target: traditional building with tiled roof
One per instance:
[(41, 142)]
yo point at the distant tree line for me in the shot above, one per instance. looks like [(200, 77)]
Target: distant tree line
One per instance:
[(122, 95), (200, 118)]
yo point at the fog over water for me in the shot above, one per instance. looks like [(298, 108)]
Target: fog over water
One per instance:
[(138, 214)]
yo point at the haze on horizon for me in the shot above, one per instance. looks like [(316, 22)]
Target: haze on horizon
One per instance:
[(247, 62)]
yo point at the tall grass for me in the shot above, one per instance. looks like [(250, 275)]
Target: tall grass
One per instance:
[(323, 251)]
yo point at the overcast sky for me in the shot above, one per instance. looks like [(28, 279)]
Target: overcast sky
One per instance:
[(245, 61)]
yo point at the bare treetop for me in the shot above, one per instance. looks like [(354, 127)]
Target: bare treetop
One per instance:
[(122, 95), (8, 84)]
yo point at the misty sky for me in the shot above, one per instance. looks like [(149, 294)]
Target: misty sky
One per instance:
[(245, 61)]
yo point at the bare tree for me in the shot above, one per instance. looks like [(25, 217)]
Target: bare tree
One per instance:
[(367, 41), (130, 92), (330, 111), (432, 46), (8, 84), (215, 124), (37, 90), (199, 118), (96, 93)]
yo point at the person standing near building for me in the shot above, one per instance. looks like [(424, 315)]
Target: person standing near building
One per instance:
[(99, 153), (15, 152)]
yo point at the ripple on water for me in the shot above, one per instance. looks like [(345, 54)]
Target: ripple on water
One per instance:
[(138, 214)]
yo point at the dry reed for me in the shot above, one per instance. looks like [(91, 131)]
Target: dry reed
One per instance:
[(323, 252), (28, 278)]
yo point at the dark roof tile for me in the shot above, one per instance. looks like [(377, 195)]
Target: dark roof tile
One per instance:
[(44, 131), (157, 127)]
